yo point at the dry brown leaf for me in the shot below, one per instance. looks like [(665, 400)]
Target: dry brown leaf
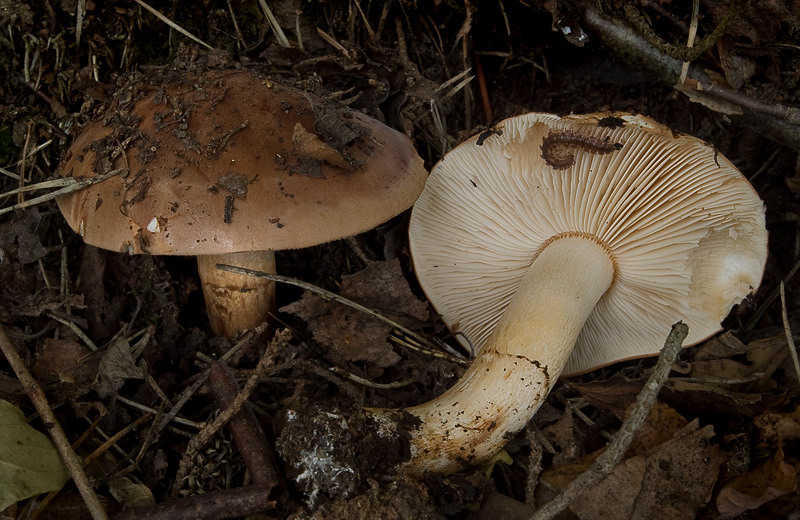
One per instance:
[(20, 235), (700, 398), (67, 365), (767, 481), (721, 369), (34, 305), (758, 22), (676, 479), (116, 367), (613, 395), (778, 427), (352, 335), (562, 435), (662, 423), (382, 287), (723, 346)]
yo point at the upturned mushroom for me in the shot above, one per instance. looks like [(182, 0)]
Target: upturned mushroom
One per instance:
[(230, 167), (565, 244)]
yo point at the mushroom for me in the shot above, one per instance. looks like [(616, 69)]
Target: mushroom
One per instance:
[(560, 245), (230, 167)]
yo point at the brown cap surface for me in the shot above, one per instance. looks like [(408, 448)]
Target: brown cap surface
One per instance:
[(685, 230), (231, 162)]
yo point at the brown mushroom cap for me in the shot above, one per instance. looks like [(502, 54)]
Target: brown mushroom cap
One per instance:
[(685, 229), (230, 162)]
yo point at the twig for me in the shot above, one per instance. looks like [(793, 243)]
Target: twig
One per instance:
[(103, 448), (39, 400), (144, 408), (370, 31), (283, 41), (214, 505), (773, 294), (534, 466), (615, 450), (450, 354), (690, 39), (332, 42), (211, 428), (787, 329), (247, 432), (329, 295), (367, 382), (688, 53), (484, 90), (173, 24), (201, 379), (20, 196), (463, 80), (70, 185), (717, 380), (239, 37), (77, 330), (778, 121), (80, 15)]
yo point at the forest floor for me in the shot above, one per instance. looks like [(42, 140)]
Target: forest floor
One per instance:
[(117, 339)]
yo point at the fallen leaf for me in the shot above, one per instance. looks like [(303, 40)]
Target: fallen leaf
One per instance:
[(778, 427), (129, 493), (116, 367), (723, 346), (29, 463), (352, 335), (66, 366), (767, 481), (618, 394), (562, 435), (662, 424), (676, 479), (20, 235), (613, 395), (757, 22), (699, 398), (33, 305)]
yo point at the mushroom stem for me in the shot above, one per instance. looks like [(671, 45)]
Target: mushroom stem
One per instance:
[(520, 362), (237, 302)]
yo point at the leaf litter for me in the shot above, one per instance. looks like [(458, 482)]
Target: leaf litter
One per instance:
[(721, 441)]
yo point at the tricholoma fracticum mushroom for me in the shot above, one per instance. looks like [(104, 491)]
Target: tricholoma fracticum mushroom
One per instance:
[(565, 244), (229, 167)]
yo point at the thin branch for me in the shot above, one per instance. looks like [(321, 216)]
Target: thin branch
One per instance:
[(283, 41), (788, 331), (329, 295), (250, 439), (366, 382), (227, 503), (615, 450), (62, 444), (211, 428), (780, 122), (174, 25)]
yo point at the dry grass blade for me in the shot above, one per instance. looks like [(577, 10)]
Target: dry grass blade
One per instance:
[(172, 24), (463, 81), (788, 330), (690, 41), (366, 382), (69, 185), (332, 41), (273, 22), (335, 297)]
